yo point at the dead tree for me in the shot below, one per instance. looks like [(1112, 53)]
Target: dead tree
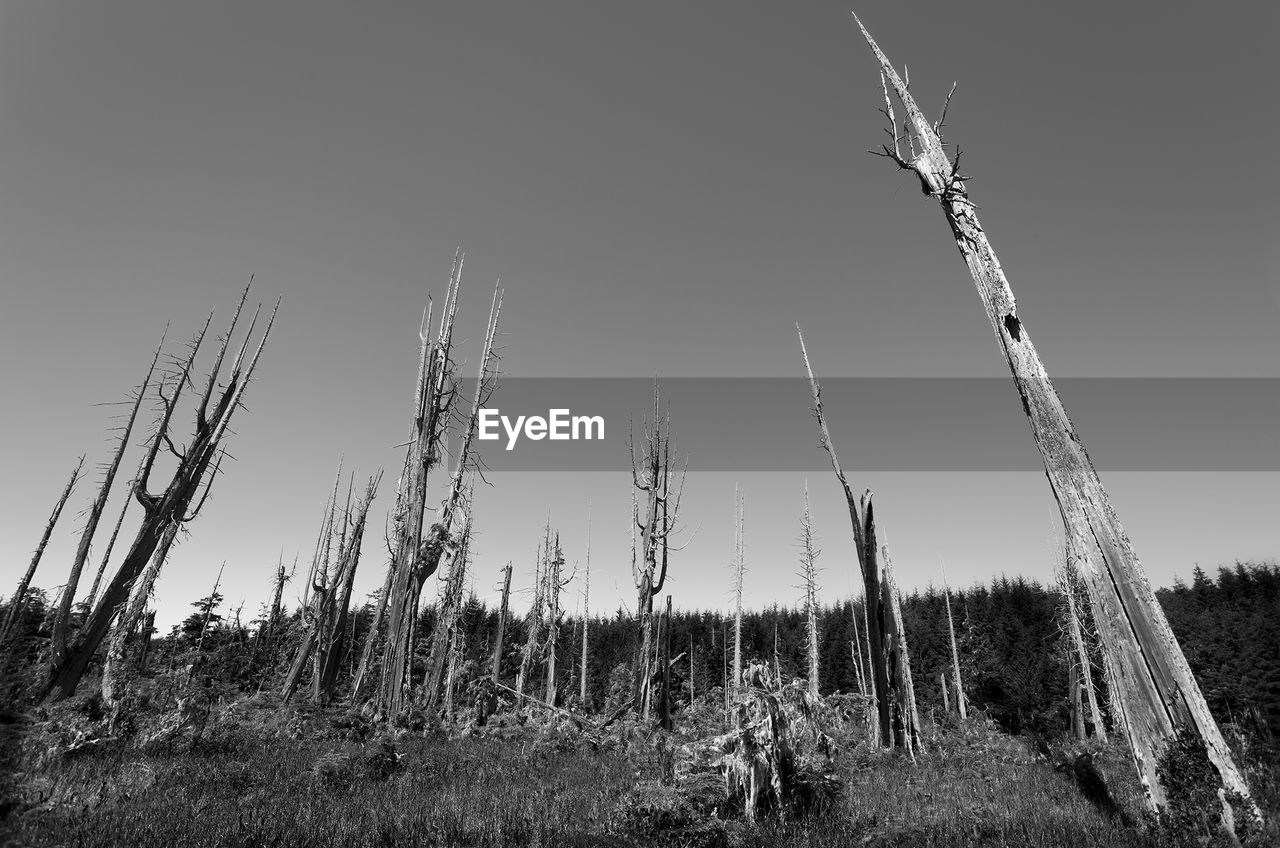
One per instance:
[(586, 615), (656, 480), (739, 572), (201, 457), (1082, 690), (18, 602), (904, 718), (419, 550), (500, 636), (861, 515), (1161, 697), (955, 653), (809, 573), (326, 617), (555, 567), (664, 703), (62, 618), (529, 654)]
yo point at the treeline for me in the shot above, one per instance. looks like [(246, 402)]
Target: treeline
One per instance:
[(1012, 647)]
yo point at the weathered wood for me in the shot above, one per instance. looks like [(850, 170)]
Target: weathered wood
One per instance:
[(809, 574), (1162, 697), (500, 636), (955, 653)]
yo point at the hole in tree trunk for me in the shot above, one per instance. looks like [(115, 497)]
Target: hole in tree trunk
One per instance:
[(1014, 326)]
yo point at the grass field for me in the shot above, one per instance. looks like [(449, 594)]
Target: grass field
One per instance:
[(246, 785)]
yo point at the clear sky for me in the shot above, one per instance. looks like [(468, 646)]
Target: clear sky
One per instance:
[(663, 188)]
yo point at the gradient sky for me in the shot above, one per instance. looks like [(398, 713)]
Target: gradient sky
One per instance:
[(663, 188)]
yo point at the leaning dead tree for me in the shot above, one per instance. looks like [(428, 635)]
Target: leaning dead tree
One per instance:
[(196, 466), (878, 614), (660, 485), (809, 574), (1161, 698), (18, 602), (62, 618), (955, 653)]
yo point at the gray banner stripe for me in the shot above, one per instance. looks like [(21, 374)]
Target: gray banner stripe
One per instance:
[(900, 424)]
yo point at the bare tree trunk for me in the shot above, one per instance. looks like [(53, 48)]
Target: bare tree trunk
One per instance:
[(18, 602), (739, 572), (955, 653), (1083, 668), (946, 698), (861, 515), (502, 625), (1162, 697), (586, 615), (664, 708), (58, 643), (809, 572), (906, 720)]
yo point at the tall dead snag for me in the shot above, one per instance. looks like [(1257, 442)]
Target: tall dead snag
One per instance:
[(200, 457), (19, 600), (809, 574), (739, 573), (862, 517), (955, 654), (529, 654), (586, 615), (1161, 697), (554, 583), (62, 617), (904, 718), (500, 636), (655, 480)]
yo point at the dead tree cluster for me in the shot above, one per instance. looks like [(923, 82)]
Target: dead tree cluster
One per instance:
[(419, 549)]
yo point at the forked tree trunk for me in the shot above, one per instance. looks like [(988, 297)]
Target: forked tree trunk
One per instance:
[(905, 718), (201, 457), (1161, 697)]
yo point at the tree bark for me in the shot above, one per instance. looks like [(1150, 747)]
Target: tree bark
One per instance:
[(1162, 697)]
